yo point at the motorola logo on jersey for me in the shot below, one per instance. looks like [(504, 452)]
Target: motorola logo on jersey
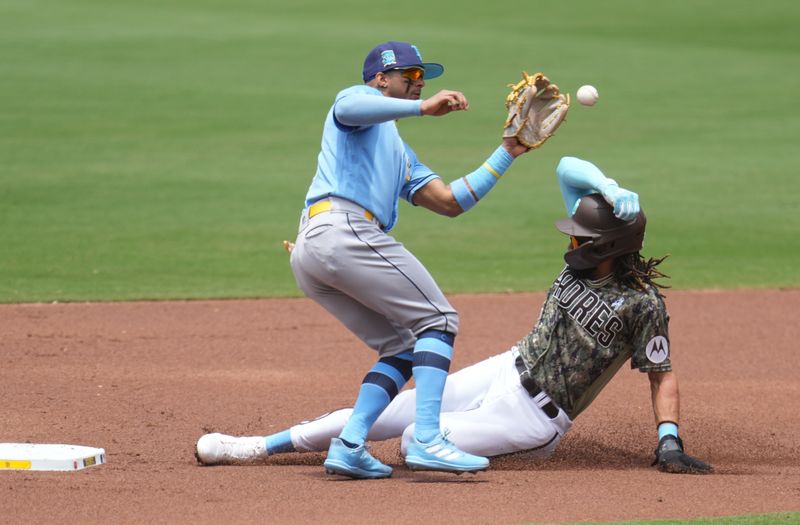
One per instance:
[(586, 307), (657, 350)]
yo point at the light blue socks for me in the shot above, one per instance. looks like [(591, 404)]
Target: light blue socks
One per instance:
[(432, 355), (381, 384)]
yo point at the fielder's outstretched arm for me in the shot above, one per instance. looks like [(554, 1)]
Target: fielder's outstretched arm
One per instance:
[(359, 110), (464, 193), (362, 109)]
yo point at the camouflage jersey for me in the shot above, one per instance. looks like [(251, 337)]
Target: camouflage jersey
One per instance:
[(586, 331)]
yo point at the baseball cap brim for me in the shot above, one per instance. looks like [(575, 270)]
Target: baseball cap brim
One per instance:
[(432, 70)]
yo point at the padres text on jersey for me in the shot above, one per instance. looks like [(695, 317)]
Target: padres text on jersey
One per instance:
[(585, 306)]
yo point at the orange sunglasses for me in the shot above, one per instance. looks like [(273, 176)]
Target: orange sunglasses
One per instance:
[(413, 73)]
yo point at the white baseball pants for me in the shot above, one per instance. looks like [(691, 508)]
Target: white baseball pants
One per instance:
[(485, 408)]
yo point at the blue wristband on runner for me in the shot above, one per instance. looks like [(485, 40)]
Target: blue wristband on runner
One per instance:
[(468, 190)]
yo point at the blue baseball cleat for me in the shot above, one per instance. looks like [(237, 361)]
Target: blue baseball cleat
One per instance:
[(441, 454), (354, 462)]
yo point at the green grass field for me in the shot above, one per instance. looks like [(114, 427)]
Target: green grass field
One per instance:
[(162, 149)]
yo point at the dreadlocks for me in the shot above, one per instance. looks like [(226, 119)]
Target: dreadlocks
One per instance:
[(634, 271)]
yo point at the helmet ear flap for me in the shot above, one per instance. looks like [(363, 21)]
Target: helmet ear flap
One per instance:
[(603, 249)]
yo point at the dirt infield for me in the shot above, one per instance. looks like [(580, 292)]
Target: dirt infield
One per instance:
[(145, 380)]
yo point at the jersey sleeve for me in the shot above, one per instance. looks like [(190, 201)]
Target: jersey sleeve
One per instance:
[(417, 176), (359, 107), (650, 337), (351, 91)]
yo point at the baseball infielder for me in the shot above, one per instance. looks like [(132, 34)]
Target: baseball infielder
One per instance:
[(603, 309), (345, 261)]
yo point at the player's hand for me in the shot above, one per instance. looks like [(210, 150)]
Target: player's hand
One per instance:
[(288, 246), (514, 147), (671, 458), (625, 202), (444, 102)]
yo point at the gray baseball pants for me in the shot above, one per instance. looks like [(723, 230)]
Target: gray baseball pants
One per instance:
[(344, 261)]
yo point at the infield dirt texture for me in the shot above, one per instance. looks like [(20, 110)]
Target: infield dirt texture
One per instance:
[(160, 150), (145, 380)]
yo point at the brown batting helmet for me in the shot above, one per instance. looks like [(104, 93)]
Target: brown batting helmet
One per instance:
[(607, 235)]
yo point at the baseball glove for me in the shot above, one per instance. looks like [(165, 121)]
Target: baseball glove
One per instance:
[(535, 110), (671, 458)]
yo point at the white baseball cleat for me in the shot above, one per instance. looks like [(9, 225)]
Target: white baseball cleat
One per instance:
[(220, 449)]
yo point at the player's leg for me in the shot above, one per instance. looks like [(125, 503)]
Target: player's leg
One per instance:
[(507, 420), (378, 388), (395, 284), (384, 277), (465, 390), (388, 375), (351, 292), (307, 436), (347, 454)]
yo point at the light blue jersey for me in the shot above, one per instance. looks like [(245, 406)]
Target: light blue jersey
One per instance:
[(369, 165)]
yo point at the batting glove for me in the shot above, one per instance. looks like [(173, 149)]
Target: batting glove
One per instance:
[(625, 202)]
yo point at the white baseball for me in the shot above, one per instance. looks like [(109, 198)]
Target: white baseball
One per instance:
[(587, 95)]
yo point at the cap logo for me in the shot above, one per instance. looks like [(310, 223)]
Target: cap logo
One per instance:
[(388, 58), (657, 350), (416, 50)]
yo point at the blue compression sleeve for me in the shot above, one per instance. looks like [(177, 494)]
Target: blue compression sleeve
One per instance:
[(365, 110), (578, 178), (468, 190)]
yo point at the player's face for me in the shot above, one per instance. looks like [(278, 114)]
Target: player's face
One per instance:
[(405, 83)]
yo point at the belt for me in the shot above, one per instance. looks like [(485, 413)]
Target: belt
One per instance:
[(326, 205), (533, 389)]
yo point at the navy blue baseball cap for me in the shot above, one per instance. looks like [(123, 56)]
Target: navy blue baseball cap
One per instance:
[(397, 55)]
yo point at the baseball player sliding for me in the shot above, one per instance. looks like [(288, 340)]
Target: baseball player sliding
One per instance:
[(603, 309), (345, 260)]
